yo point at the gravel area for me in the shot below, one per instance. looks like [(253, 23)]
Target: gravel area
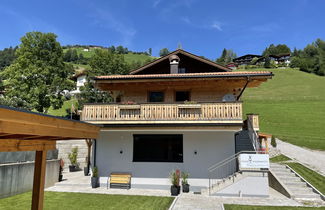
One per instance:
[(312, 158)]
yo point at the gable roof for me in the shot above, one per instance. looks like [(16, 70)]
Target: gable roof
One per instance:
[(183, 52)]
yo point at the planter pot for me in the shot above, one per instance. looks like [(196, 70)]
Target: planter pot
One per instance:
[(86, 171), (186, 188), (60, 177), (73, 168), (94, 182), (175, 190)]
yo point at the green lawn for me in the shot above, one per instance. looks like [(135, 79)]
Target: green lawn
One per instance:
[(279, 158), (314, 178), (291, 107), (245, 207), (86, 201), (62, 111)]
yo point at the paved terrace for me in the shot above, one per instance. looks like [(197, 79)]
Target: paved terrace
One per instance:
[(77, 182)]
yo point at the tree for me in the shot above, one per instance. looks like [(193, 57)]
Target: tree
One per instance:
[(267, 62), (121, 50), (273, 141), (150, 51), (74, 56), (38, 77), (7, 56), (276, 50), (226, 57), (103, 62), (163, 52)]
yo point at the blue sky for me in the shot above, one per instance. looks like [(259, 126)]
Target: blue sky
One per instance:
[(202, 27)]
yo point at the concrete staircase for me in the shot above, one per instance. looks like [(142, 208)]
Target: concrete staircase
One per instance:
[(243, 142), (298, 189)]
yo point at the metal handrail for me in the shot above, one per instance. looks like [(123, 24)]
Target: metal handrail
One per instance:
[(223, 163), (215, 166)]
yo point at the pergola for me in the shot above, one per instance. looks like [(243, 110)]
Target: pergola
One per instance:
[(28, 131)]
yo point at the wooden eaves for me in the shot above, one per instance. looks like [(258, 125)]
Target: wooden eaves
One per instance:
[(28, 131)]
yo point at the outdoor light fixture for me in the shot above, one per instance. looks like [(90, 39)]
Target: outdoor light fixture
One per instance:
[(121, 151), (195, 152)]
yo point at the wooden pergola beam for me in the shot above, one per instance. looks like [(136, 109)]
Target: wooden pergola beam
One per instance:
[(10, 145), (27, 131)]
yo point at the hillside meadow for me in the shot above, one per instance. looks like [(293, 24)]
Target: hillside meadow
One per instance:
[(291, 107)]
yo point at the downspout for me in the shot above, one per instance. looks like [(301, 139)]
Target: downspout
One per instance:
[(95, 152), (242, 91)]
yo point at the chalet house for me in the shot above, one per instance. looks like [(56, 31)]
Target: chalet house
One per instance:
[(178, 112), (246, 59), (281, 59), (80, 78)]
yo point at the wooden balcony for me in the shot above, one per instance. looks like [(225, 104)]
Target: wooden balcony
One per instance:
[(163, 113)]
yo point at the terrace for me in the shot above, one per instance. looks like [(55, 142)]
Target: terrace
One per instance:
[(215, 112)]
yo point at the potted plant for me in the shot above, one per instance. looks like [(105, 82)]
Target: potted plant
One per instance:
[(61, 170), (73, 160), (174, 179), (185, 185), (86, 169), (95, 178)]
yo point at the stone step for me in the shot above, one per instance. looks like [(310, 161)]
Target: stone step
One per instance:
[(300, 190), (307, 196), (289, 178), (278, 167), (294, 183), (281, 174)]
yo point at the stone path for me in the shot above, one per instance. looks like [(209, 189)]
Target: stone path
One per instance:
[(313, 158), (191, 201)]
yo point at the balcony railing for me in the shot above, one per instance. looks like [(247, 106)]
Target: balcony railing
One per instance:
[(166, 113)]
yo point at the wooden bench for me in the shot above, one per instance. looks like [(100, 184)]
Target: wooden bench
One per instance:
[(119, 180)]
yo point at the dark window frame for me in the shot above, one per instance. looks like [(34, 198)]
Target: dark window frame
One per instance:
[(156, 91), (171, 155), (189, 95)]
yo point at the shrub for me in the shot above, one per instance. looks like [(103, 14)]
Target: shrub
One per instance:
[(185, 176), (73, 156), (174, 178), (95, 171), (273, 142)]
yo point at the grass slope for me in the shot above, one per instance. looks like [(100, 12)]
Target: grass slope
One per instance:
[(85, 201), (291, 106), (129, 58), (279, 158), (314, 178), (62, 111), (246, 207)]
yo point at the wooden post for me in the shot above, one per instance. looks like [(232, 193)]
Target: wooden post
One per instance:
[(39, 180)]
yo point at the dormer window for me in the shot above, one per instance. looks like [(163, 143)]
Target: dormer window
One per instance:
[(181, 70)]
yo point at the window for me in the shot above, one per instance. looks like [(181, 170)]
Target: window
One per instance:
[(157, 148), (182, 96), (156, 96), (181, 70)]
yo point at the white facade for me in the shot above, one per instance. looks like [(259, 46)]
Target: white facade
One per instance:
[(81, 80), (201, 149)]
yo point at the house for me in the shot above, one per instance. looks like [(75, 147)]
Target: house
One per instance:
[(281, 59), (232, 66), (178, 112), (81, 78), (246, 59)]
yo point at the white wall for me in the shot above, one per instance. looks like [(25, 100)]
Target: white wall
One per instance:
[(211, 147)]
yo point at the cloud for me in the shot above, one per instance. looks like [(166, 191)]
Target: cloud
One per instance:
[(186, 20), (216, 25), (106, 19), (155, 3)]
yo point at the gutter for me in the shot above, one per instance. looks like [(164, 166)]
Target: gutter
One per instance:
[(187, 77)]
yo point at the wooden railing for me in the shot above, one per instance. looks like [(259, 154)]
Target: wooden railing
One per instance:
[(161, 112)]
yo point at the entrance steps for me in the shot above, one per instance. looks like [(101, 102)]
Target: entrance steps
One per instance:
[(298, 189)]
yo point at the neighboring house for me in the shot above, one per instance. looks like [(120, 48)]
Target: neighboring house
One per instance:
[(178, 112), (81, 79), (245, 59), (232, 66), (281, 59)]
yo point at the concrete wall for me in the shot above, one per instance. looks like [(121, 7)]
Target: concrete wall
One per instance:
[(254, 184), (211, 147), (14, 157), (17, 178), (65, 147)]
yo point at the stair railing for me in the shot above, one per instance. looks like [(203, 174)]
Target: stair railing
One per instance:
[(224, 169)]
